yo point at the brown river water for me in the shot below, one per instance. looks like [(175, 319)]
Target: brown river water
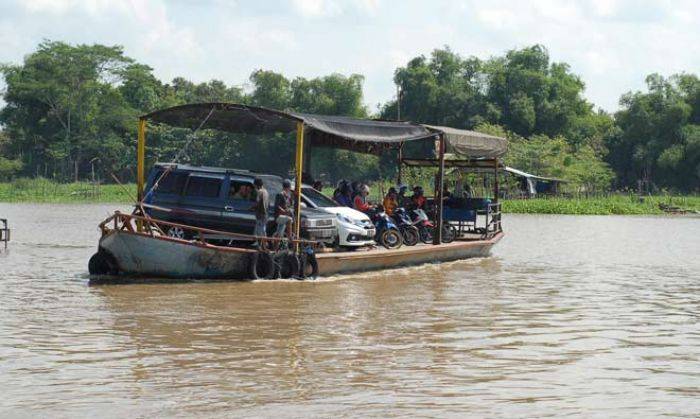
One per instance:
[(584, 316)]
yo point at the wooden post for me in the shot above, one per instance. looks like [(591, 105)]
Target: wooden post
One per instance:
[(141, 160), (299, 166), (437, 234)]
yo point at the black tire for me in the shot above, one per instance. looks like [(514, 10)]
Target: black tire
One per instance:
[(426, 234), (410, 235), (261, 265), (391, 239), (287, 264), (308, 267), (449, 233), (102, 263)]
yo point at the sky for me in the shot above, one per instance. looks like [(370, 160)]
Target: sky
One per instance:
[(611, 44)]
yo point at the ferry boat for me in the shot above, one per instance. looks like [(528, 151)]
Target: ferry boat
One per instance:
[(136, 245)]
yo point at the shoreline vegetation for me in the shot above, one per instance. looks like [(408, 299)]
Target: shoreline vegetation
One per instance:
[(39, 190)]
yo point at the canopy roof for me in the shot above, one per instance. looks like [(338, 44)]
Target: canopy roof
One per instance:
[(520, 173), (361, 135)]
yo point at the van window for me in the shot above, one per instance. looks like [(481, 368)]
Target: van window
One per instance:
[(172, 182), (241, 190), (207, 187)]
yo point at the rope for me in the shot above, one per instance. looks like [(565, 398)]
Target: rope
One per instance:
[(179, 154)]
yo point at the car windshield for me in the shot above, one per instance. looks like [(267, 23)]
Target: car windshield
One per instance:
[(318, 199)]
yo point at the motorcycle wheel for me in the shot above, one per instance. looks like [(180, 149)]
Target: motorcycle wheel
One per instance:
[(410, 235), (426, 235), (391, 239), (449, 233)]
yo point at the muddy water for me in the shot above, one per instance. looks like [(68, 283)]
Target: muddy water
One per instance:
[(590, 316)]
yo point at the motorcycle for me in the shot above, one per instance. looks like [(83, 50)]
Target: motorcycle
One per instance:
[(388, 234), (426, 228), (408, 230)]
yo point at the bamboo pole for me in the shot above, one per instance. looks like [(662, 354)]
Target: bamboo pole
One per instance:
[(141, 160), (299, 166)]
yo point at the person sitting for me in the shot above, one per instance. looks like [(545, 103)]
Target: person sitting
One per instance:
[(360, 201), (390, 201), (418, 199), (318, 185), (283, 210), (401, 198), (343, 196)]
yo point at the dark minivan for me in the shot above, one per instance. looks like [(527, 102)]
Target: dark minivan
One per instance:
[(222, 199)]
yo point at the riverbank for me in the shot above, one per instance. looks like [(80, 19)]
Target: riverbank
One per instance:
[(45, 191)]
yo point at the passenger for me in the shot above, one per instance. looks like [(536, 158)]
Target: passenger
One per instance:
[(344, 195), (391, 201), (318, 185), (260, 208), (418, 199), (244, 192), (402, 199), (360, 201), (283, 210), (355, 189)]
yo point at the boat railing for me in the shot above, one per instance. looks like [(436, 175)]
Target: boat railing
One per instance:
[(153, 227)]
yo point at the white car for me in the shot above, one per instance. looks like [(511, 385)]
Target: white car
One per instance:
[(355, 229)]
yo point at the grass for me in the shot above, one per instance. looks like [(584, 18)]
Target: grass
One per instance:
[(609, 205), (41, 190)]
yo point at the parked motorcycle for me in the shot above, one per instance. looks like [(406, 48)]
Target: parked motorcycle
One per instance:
[(408, 230), (388, 234), (426, 228)]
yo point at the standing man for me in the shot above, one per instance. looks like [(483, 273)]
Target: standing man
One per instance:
[(283, 210), (260, 207)]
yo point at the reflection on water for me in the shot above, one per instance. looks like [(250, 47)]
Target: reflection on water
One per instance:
[(572, 315)]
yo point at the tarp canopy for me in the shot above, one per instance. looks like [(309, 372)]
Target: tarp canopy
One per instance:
[(520, 173), (361, 135), (471, 143)]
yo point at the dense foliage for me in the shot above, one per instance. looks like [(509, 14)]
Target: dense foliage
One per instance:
[(70, 111)]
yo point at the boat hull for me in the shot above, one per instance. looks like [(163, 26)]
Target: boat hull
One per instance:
[(163, 257)]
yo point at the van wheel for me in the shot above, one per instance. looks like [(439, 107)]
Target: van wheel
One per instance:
[(177, 233)]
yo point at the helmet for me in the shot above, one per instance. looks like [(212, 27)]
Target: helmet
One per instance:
[(392, 190), (286, 184), (403, 188), (364, 188)]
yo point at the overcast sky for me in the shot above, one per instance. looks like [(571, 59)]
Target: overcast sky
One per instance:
[(611, 44)]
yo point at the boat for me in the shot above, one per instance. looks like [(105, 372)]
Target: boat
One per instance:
[(135, 245)]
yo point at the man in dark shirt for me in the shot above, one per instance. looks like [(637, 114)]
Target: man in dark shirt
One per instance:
[(283, 210), (260, 207)]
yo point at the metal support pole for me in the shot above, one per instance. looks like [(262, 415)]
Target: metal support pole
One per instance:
[(399, 176), (495, 182), (299, 166), (437, 235), (141, 160)]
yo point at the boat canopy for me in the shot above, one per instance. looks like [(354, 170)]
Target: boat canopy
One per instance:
[(361, 135)]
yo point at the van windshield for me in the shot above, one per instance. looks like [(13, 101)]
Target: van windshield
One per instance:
[(318, 199)]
